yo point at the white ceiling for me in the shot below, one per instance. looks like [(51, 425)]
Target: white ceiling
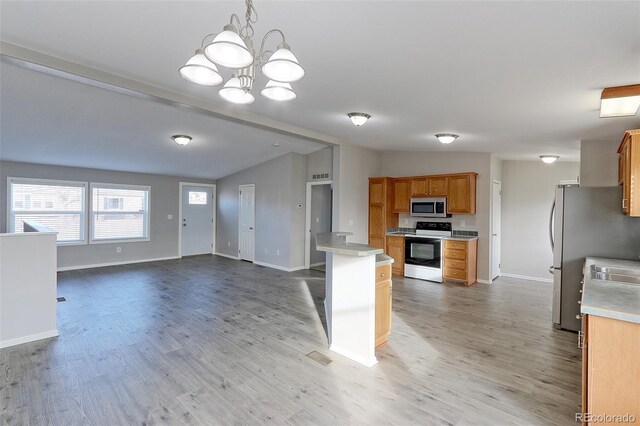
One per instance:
[(513, 78)]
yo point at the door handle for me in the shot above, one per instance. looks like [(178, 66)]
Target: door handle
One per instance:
[(251, 227), (184, 224)]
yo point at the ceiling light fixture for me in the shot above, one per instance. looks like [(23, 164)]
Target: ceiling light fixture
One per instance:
[(181, 139), (620, 101), (359, 118), (549, 158), (233, 48), (446, 137)]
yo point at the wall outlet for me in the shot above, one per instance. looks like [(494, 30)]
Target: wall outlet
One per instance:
[(265, 251), (317, 220), (169, 216), (463, 223), (405, 221), (228, 243), (350, 222), (277, 252), (118, 249)]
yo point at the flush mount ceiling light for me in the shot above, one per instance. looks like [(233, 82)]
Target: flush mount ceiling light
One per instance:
[(181, 139), (446, 137), (620, 101), (233, 48), (358, 118), (549, 158)]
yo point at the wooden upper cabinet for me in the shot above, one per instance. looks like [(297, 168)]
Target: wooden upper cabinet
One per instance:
[(438, 186), (461, 197), (629, 172), (401, 195), (419, 187), (376, 192)]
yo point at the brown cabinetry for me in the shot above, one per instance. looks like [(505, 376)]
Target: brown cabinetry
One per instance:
[(461, 196), (460, 261), (629, 172), (381, 216), (395, 249), (401, 188), (383, 304), (438, 186), (419, 187), (610, 367)]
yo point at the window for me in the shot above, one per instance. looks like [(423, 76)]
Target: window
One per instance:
[(58, 205), (119, 213), (196, 197)]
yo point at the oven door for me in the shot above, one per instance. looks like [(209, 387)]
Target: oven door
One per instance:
[(423, 251)]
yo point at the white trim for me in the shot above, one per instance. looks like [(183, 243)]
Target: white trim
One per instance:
[(213, 206), (120, 241), (278, 267), (253, 185), (29, 338), (317, 264), (367, 362), (228, 256), (125, 262), (307, 223), (491, 245), (484, 281), (526, 277)]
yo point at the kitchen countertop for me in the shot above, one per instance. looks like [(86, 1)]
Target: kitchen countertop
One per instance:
[(459, 238), (410, 234), (610, 299), (382, 259), (336, 242)]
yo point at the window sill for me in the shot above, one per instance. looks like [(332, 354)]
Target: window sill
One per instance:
[(121, 241)]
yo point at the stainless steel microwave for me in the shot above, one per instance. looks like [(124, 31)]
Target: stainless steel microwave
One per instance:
[(429, 207)]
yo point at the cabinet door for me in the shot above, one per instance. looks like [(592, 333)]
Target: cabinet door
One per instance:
[(626, 177), (438, 186), (395, 249), (376, 192), (459, 197), (401, 196), (383, 311), (419, 187), (377, 228)]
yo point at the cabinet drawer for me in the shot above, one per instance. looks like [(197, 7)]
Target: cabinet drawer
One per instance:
[(383, 273), (457, 264), (455, 274), (456, 245), (455, 254)]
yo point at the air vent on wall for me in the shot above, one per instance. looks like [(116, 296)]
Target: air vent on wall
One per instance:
[(321, 176)]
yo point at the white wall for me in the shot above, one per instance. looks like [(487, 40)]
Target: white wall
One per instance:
[(163, 201), (320, 218), (320, 162), (398, 164), (528, 188), (599, 163)]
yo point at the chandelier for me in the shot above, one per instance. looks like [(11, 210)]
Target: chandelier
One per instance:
[(233, 48)]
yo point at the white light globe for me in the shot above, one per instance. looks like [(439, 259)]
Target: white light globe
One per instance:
[(201, 71), (233, 92), (229, 50), (283, 66), (277, 91)]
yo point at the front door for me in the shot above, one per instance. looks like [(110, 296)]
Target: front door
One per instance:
[(246, 243), (197, 220)]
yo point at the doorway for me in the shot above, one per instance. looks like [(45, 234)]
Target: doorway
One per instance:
[(318, 220), (496, 209), (197, 219), (246, 222)]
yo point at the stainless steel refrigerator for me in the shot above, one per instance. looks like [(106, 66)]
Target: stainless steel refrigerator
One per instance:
[(586, 221)]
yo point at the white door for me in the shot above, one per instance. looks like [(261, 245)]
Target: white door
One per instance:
[(495, 226), (246, 240), (197, 220)]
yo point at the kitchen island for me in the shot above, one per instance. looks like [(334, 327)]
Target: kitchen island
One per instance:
[(357, 300)]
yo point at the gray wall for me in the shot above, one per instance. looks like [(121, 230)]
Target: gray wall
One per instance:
[(320, 217), (397, 164), (528, 188), (599, 163), (320, 162), (280, 188), (163, 198)]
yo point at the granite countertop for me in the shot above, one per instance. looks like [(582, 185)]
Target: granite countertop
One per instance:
[(400, 233), (460, 238), (610, 299), (336, 242), (382, 259)]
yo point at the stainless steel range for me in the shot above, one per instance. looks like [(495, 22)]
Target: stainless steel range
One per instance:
[(423, 251)]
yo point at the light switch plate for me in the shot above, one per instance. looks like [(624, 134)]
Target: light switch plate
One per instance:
[(169, 216)]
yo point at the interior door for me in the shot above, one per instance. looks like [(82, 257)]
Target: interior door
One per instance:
[(247, 217), (197, 220), (495, 237)]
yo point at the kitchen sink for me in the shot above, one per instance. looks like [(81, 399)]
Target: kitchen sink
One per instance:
[(610, 273)]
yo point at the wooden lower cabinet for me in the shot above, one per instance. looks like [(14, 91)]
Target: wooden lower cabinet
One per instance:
[(383, 304), (395, 249), (610, 369), (461, 261)]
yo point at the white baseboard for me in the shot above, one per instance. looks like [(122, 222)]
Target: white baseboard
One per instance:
[(278, 267), (125, 262), (228, 256), (367, 362), (313, 265), (484, 282), (29, 338), (526, 277)]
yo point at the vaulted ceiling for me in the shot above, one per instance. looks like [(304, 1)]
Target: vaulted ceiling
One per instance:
[(513, 78)]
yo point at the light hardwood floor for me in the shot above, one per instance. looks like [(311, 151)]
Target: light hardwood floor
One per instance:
[(208, 340)]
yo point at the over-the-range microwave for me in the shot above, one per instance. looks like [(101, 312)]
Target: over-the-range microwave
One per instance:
[(429, 207)]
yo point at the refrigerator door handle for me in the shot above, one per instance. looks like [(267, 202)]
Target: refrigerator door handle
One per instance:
[(553, 209)]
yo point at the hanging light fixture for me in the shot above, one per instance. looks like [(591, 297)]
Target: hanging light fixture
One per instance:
[(446, 138), (233, 48), (549, 158), (359, 118), (181, 139)]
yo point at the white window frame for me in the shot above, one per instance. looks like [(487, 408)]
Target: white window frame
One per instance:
[(50, 182), (119, 240)]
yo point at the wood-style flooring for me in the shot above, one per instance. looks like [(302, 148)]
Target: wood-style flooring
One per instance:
[(209, 340)]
